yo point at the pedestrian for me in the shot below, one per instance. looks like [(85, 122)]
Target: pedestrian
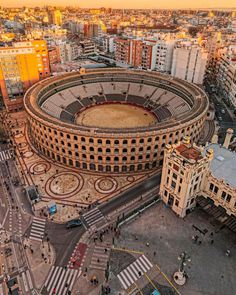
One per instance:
[(212, 241), (154, 253), (105, 250), (98, 260)]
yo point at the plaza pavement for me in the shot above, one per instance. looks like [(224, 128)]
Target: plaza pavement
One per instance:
[(210, 271)]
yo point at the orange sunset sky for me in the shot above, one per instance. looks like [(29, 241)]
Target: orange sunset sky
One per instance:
[(125, 3)]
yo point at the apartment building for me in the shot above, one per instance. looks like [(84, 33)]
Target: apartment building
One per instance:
[(21, 65), (226, 74), (136, 53), (164, 55), (18, 71), (68, 51), (41, 51), (189, 62)]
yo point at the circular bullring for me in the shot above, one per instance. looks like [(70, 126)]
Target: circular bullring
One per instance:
[(112, 120)]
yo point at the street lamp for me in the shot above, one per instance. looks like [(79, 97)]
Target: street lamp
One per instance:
[(180, 276)]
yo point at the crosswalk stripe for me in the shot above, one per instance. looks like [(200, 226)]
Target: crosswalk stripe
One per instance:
[(125, 280), (148, 262), (73, 279), (90, 211), (58, 277), (94, 220), (39, 219), (144, 262), (1, 289), (62, 273), (133, 271), (38, 223), (128, 276), (29, 279), (49, 275), (141, 266), (25, 282), (1, 156), (122, 282), (131, 274), (55, 275), (68, 281), (63, 282)]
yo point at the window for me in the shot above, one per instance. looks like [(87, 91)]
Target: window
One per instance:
[(179, 190), (176, 203), (91, 140), (99, 141), (173, 184), (175, 176), (165, 193), (216, 190), (223, 195), (228, 198), (141, 140), (211, 187), (108, 141)]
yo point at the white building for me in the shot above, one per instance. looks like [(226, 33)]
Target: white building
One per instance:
[(226, 76), (68, 51), (164, 55), (108, 44), (189, 62)]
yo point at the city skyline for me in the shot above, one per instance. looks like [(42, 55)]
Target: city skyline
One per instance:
[(169, 4)]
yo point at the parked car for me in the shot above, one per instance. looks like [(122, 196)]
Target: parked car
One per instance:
[(73, 223)]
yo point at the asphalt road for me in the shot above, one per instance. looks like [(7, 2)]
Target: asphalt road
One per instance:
[(130, 194), (63, 240), (222, 115)]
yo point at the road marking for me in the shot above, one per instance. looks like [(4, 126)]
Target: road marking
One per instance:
[(29, 279), (25, 282), (128, 250)]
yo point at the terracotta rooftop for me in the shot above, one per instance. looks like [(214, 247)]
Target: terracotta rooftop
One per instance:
[(189, 152)]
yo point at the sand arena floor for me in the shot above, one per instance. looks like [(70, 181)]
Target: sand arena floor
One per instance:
[(116, 116)]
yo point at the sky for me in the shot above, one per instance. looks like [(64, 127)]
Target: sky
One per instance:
[(124, 3)]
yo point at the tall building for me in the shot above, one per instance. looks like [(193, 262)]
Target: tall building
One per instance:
[(200, 175), (68, 51), (41, 51), (55, 17), (123, 51), (136, 53), (226, 74), (189, 62), (164, 55), (18, 71), (21, 66)]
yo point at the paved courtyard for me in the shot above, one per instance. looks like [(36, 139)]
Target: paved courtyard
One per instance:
[(210, 270), (71, 190)]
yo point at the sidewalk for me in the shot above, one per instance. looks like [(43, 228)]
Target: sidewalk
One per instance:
[(40, 259)]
